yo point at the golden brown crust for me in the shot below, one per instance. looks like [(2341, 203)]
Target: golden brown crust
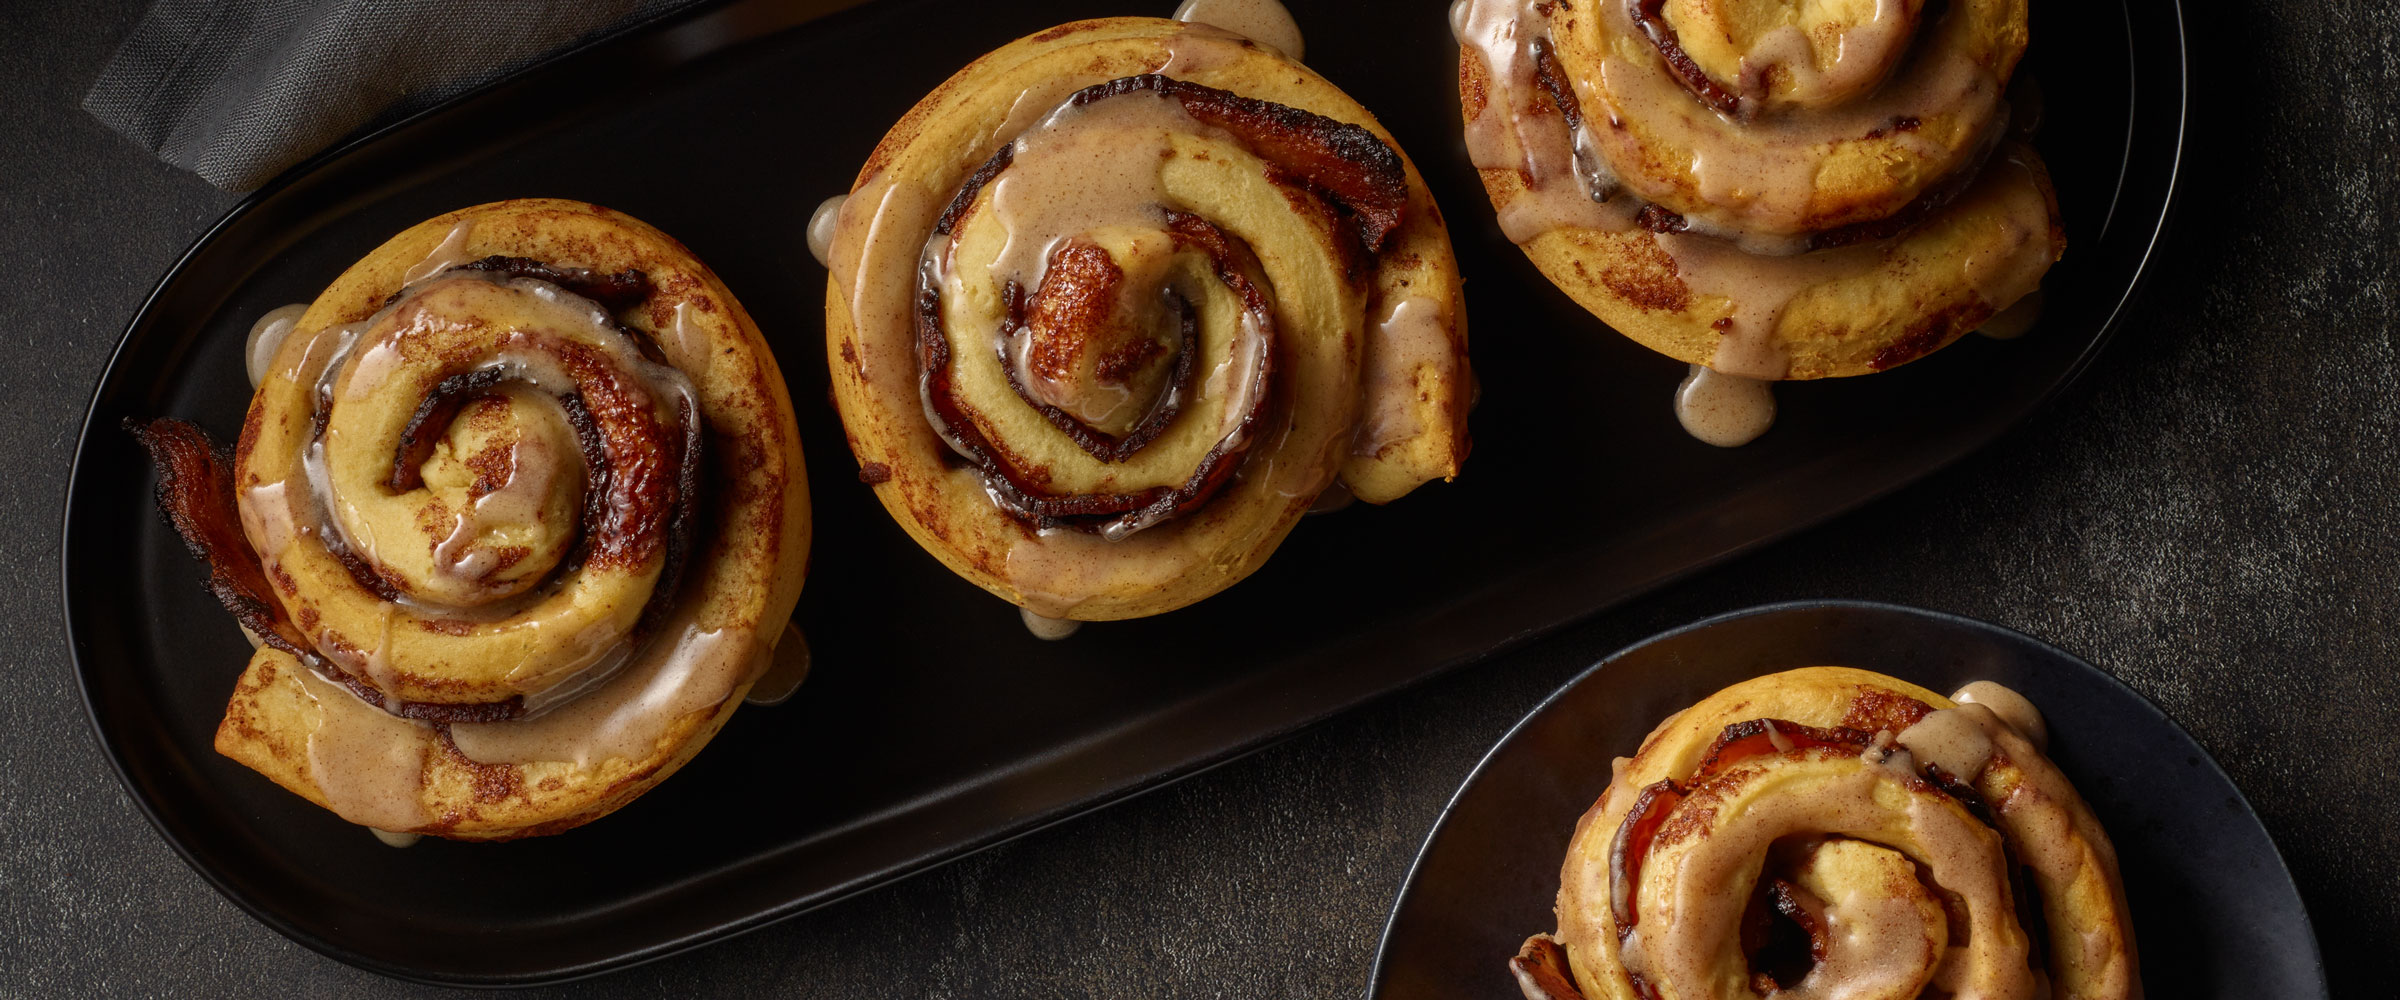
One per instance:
[(1835, 724), (1908, 305), (745, 574), (935, 151), (1921, 230), (1923, 127)]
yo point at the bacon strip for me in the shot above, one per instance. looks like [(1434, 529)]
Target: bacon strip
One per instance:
[(652, 505), (1541, 970), (1739, 742), (1346, 162), (195, 491)]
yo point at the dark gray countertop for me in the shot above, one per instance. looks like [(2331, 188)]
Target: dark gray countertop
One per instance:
[(2208, 515)]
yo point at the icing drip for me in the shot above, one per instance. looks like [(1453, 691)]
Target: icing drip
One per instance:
[(685, 669), (785, 673), (1336, 497), (1266, 21), (1952, 740), (1048, 629), (267, 336), (1521, 129), (1756, 289), (1412, 344), (1203, 48), (1724, 410), (368, 763), (1758, 172), (2011, 707), (2012, 322), (821, 227), (391, 839)]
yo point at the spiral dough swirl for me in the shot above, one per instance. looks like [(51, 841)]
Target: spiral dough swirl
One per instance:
[(1830, 832), (1114, 306)]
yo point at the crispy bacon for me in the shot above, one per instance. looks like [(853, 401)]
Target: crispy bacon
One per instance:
[(195, 491), (644, 502), (615, 292), (1280, 136), (1757, 737), (1541, 970), (1739, 742), (1345, 162)]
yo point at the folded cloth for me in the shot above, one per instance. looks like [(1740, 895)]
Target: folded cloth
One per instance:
[(237, 90)]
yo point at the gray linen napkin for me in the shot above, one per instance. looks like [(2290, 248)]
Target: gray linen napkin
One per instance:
[(237, 90)]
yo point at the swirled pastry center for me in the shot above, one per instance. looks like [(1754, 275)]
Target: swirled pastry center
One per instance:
[(1775, 55), (1883, 849), (487, 499), (1119, 256)]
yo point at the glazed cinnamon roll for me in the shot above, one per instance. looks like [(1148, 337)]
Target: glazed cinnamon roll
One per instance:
[(1117, 304), (1831, 832), (515, 518), (1768, 191)]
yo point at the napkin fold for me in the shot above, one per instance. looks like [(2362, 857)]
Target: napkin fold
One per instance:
[(237, 90)]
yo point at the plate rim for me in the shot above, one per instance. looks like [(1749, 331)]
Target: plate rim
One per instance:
[(1377, 970), (2174, 145)]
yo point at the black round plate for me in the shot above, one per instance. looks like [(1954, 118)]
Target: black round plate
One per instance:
[(2214, 910)]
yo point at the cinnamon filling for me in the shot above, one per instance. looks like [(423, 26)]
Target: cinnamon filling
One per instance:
[(1111, 358), (1784, 928), (1650, 16), (638, 500)]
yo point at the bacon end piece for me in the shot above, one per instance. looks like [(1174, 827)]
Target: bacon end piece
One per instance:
[(1541, 970), (1347, 162), (195, 492)]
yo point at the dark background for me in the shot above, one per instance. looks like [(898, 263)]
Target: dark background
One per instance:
[(2208, 515)]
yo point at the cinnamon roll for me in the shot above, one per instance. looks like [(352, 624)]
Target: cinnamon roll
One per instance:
[(1832, 832), (515, 518), (1764, 191), (1117, 304)]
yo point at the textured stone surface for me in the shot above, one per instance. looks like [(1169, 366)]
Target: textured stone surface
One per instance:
[(2208, 514)]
